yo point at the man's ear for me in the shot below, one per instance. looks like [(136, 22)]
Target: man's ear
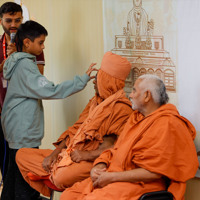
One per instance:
[(26, 42), (148, 96)]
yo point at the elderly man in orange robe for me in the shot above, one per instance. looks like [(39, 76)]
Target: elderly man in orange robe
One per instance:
[(98, 126), (156, 145)]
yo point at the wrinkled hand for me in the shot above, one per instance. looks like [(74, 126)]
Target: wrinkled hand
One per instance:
[(90, 70), (104, 178), (94, 173), (47, 162), (78, 155), (11, 48)]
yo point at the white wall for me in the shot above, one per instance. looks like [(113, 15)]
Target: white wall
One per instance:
[(76, 39)]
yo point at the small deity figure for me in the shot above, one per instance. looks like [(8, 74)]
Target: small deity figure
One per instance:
[(137, 21), (139, 26)]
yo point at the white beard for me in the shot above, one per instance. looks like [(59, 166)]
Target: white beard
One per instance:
[(134, 107)]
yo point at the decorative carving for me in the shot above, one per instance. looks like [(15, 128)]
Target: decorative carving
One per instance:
[(144, 50)]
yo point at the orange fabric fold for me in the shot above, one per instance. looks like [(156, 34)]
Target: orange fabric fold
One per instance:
[(107, 86), (102, 120), (115, 65), (161, 142), (71, 131), (34, 177)]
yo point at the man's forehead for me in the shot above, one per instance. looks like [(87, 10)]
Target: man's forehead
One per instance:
[(12, 15), (137, 82)]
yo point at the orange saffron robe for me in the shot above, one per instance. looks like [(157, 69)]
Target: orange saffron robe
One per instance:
[(97, 120), (161, 142)]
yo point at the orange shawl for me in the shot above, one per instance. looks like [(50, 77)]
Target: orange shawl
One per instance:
[(162, 143), (107, 86), (107, 117)]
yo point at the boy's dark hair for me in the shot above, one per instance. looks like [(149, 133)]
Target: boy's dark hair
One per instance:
[(11, 8), (30, 30)]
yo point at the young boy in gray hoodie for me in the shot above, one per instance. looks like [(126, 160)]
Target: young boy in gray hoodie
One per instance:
[(22, 114)]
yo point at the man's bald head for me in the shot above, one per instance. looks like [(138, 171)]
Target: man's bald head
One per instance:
[(156, 86)]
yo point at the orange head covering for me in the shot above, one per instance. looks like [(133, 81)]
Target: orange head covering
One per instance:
[(112, 74), (115, 65)]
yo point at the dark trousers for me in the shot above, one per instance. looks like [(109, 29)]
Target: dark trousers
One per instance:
[(15, 187), (3, 157)]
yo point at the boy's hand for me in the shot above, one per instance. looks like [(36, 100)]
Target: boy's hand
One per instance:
[(90, 70)]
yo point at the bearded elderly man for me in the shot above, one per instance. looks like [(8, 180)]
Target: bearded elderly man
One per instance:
[(156, 144), (98, 126)]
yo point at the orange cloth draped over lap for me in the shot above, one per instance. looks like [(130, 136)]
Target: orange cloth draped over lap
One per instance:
[(161, 142), (105, 114)]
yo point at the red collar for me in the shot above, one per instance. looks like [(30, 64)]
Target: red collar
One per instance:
[(4, 46)]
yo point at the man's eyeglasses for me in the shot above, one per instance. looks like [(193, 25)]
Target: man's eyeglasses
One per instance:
[(9, 20)]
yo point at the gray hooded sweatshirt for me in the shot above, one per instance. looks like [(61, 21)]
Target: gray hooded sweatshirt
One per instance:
[(22, 114)]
